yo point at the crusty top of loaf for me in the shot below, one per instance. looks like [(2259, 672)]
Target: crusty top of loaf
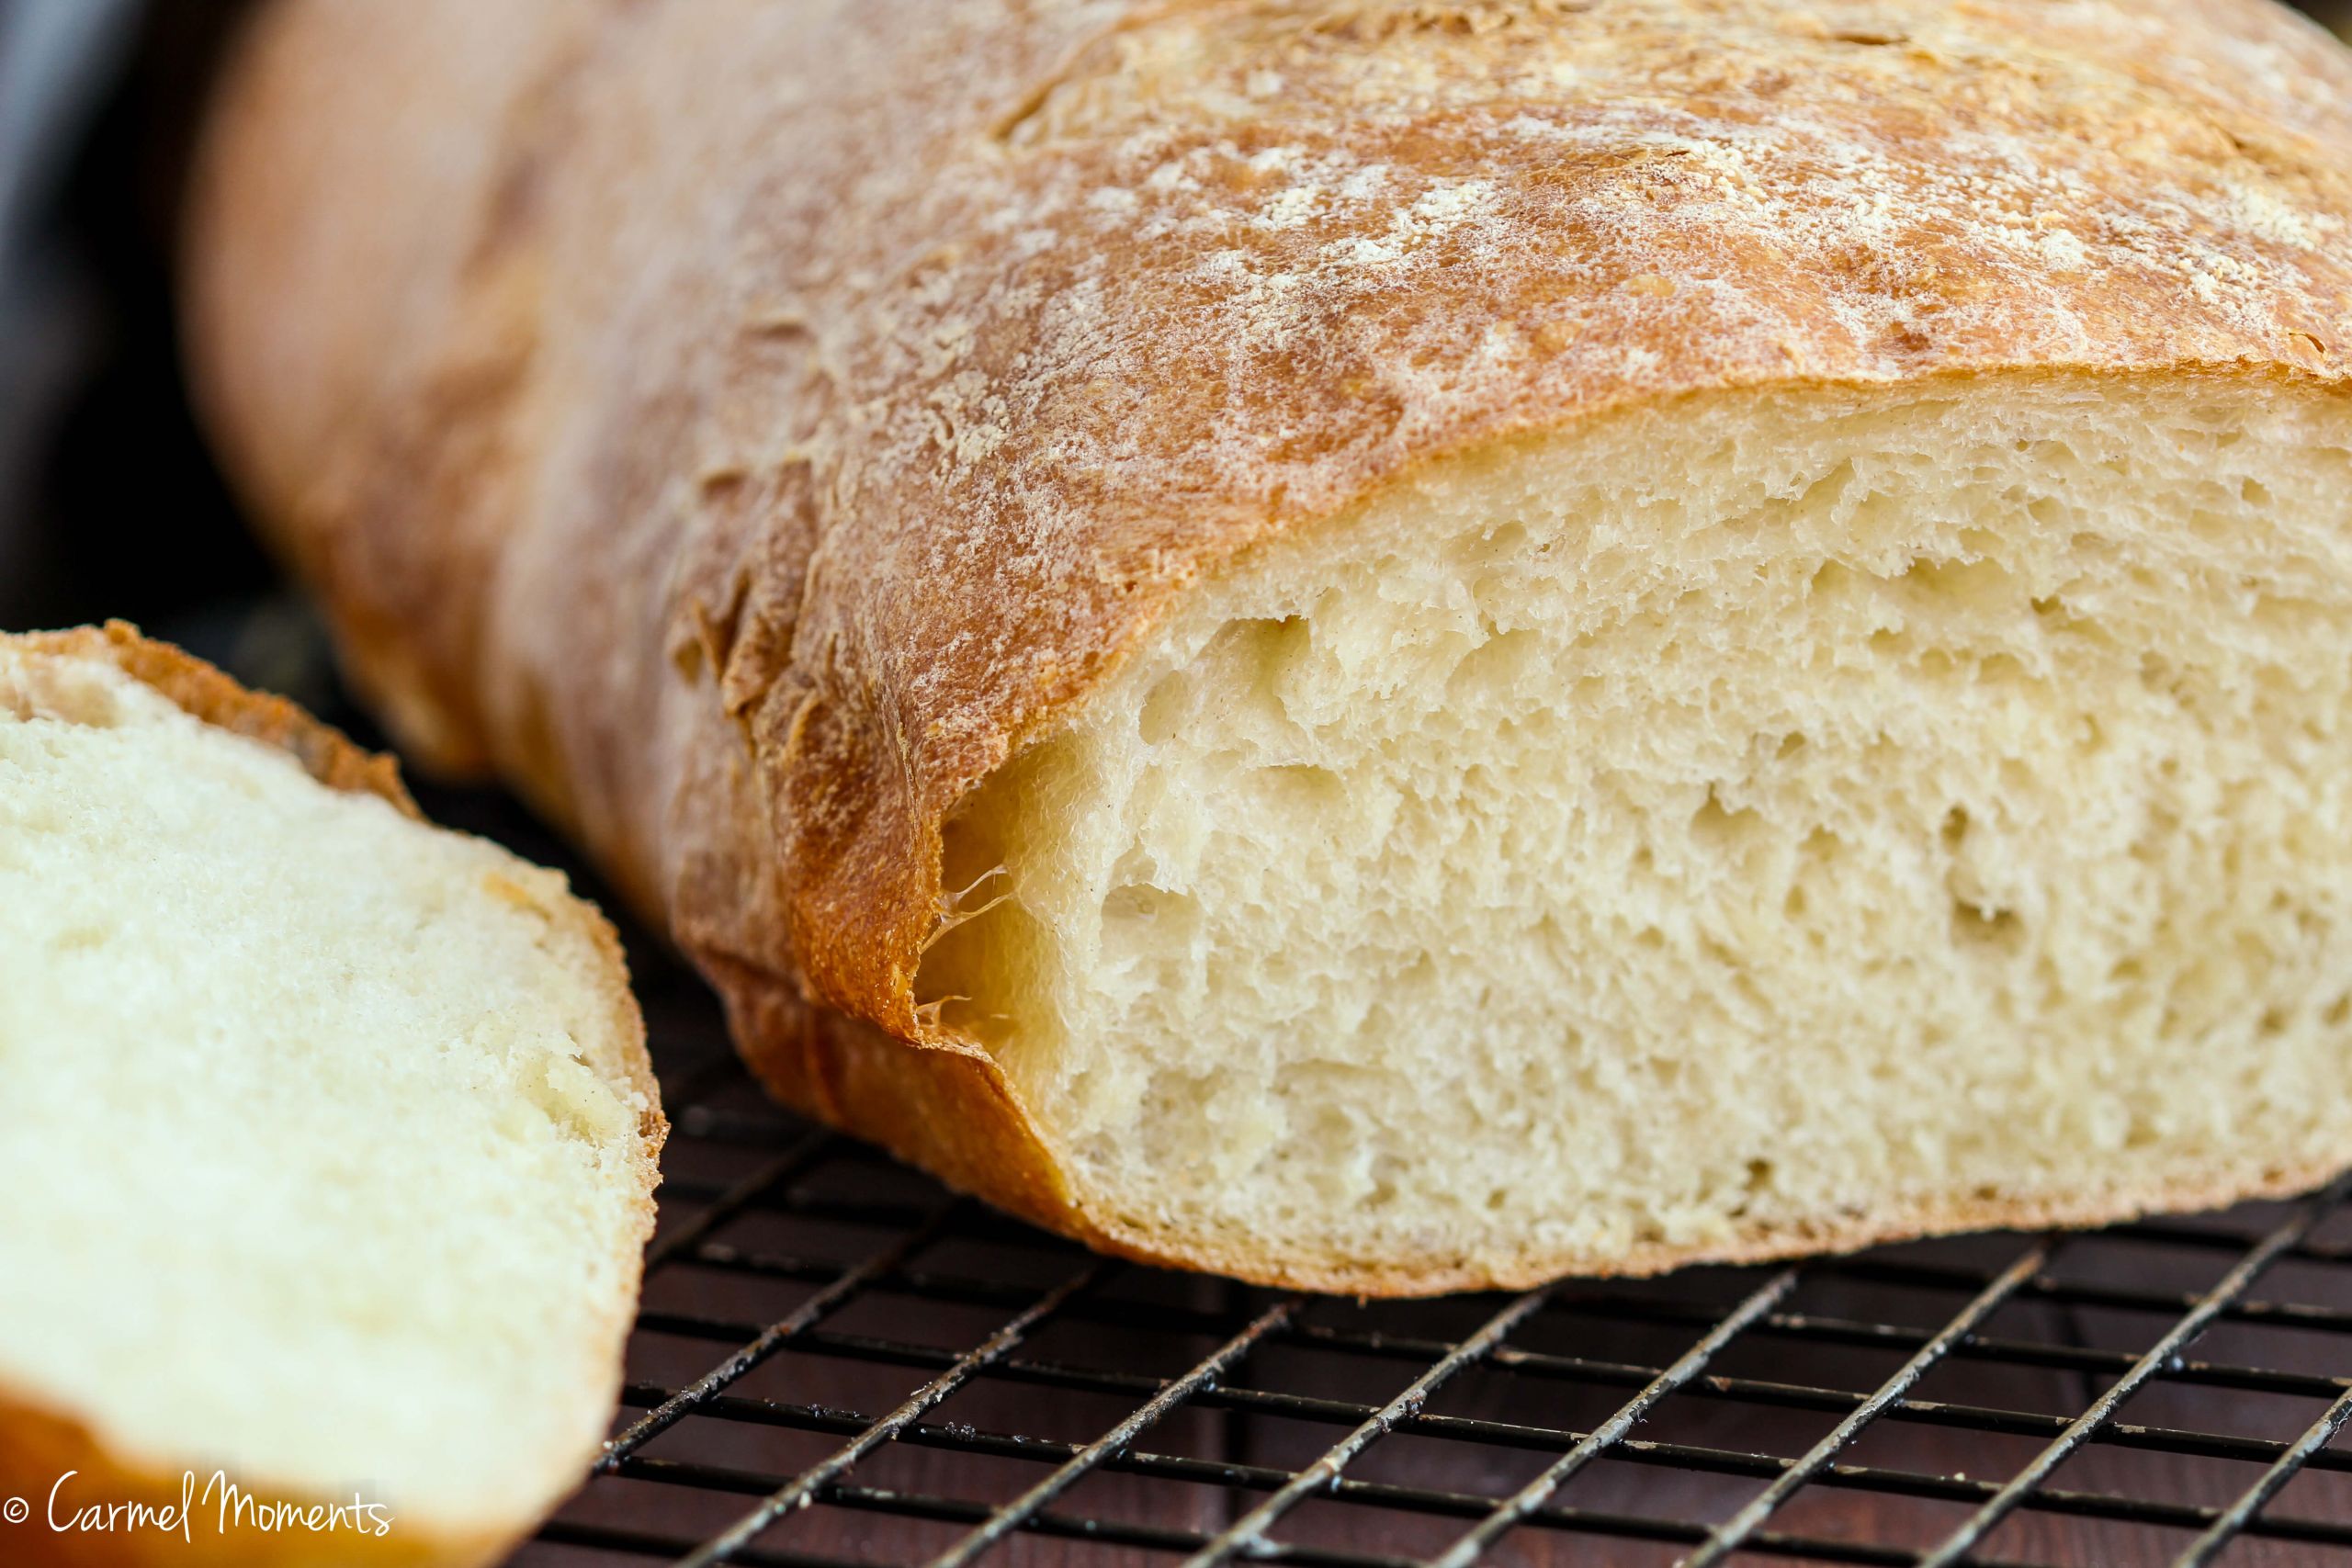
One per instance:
[(878, 374)]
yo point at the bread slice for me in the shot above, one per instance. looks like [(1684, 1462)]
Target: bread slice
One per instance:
[(1380, 644), (330, 1137)]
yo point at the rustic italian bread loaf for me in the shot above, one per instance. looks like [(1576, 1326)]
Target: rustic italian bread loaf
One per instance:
[(1380, 644), (330, 1139)]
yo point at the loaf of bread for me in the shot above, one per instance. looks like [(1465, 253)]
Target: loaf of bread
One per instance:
[(330, 1141), (1385, 645)]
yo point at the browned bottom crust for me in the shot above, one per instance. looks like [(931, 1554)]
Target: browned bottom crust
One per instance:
[(954, 1114), (39, 1450)]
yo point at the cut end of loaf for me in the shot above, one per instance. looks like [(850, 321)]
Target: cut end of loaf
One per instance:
[(1738, 825), (332, 1131)]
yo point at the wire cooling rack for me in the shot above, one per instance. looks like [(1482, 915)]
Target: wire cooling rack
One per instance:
[(839, 1362)]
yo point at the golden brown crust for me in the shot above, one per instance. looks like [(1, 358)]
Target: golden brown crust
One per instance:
[(39, 1450), (324, 751), (950, 1113), (748, 539), (37, 1445)]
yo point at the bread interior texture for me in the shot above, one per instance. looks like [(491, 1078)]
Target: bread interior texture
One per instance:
[(1735, 824), (326, 1163)]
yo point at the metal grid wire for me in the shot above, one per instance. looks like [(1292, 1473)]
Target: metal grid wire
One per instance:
[(838, 1362)]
